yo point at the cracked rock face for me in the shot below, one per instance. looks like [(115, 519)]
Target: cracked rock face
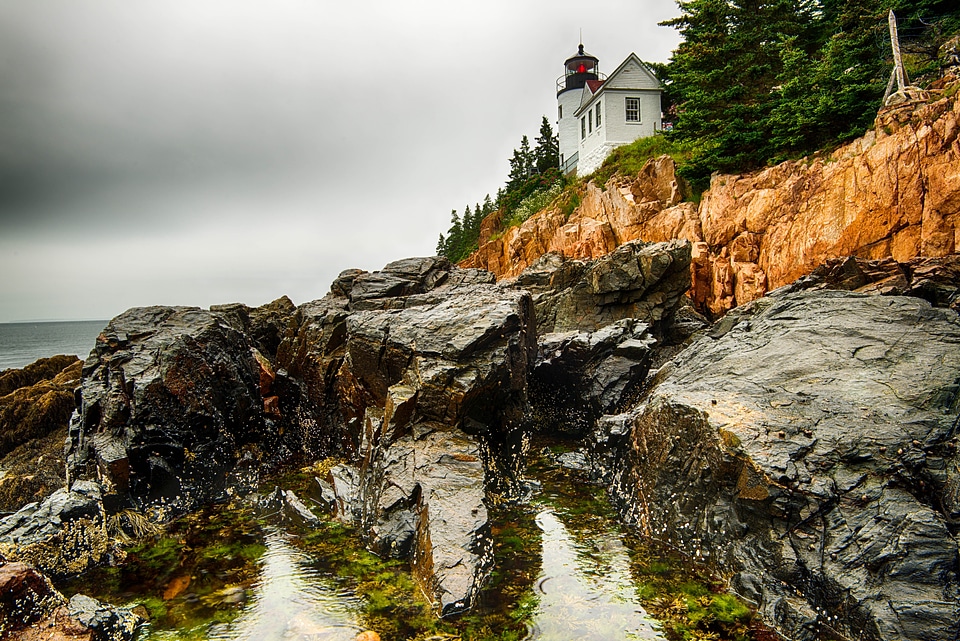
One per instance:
[(644, 281), (808, 446), (169, 397), (430, 384)]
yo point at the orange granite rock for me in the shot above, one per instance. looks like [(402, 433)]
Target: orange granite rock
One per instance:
[(893, 193)]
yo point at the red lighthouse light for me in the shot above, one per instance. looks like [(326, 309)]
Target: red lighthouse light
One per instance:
[(582, 68)]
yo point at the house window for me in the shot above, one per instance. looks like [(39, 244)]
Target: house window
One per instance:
[(590, 120), (633, 110), (583, 128), (598, 115)]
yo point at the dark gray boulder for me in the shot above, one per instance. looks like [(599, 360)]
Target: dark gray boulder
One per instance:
[(107, 622), (431, 391), (170, 397), (644, 281), (579, 376), (808, 447), (936, 280), (422, 498)]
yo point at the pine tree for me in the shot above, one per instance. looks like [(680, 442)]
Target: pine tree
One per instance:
[(547, 151), (454, 244)]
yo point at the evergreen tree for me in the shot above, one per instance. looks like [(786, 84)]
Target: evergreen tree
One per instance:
[(757, 81), (546, 154), (454, 244), (488, 207), (526, 156), (442, 246)]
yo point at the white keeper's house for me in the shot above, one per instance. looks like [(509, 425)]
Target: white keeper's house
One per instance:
[(598, 113)]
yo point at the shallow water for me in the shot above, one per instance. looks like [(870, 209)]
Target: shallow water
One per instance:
[(585, 589), (564, 570), (291, 601)]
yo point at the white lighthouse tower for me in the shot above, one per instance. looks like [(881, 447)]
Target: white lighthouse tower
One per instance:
[(578, 70)]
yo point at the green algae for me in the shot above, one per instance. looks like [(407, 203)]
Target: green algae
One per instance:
[(179, 577)]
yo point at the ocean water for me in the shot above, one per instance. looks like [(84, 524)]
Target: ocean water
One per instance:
[(23, 343)]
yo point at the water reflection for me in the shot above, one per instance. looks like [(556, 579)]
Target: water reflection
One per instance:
[(585, 588), (292, 601)]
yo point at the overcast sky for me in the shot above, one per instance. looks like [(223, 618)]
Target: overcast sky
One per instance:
[(194, 152)]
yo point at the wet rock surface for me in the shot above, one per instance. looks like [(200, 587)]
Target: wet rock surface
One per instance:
[(804, 444), (580, 376), (808, 446), (36, 403), (31, 608), (936, 280), (645, 281), (61, 536), (170, 397)]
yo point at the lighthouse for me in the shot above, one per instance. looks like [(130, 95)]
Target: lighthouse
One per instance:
[(597, 114), (577, 70)]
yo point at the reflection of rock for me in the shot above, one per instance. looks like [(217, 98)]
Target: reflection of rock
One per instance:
[(808, 446), (285, 505)]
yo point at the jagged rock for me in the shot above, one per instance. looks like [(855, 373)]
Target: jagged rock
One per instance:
[(43, 369), (26, 597), (31, 609), (936, 280), (263, 326), (107, 622), (62, 536), (808, 447), (419, 343), (639, 280), (422, 498), (34, 410), (579, 376), (399, 279), (170, 396)]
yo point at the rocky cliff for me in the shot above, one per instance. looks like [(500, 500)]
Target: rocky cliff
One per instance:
[(894, 193), (805, 445)]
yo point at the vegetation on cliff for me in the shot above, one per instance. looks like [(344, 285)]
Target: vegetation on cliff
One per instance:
[(758, 81), (752, 83), (534, 180)]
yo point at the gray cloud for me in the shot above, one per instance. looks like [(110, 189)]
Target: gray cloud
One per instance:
[(196, 153)]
